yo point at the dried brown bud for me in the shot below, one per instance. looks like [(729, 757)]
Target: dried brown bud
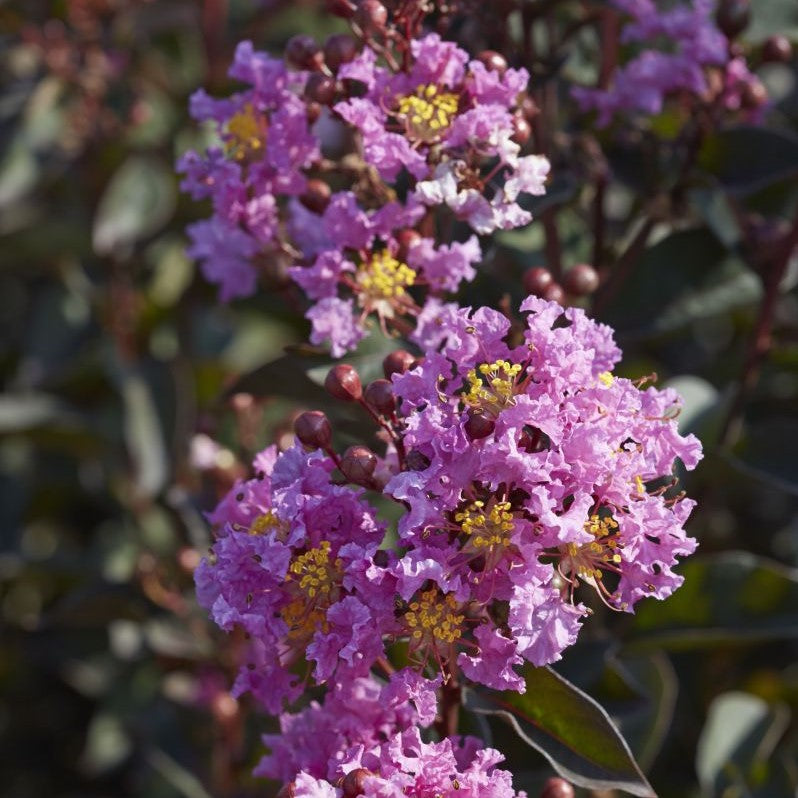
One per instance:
[(353, 782), (479, 426), (340, 48), (313, 429), (358, 464), (537, 280), (320, 89), (343, 382), (372, 16), (493, 61), (316, 196), (397, 362), (581, 280), (557, 788), (733, 16), (303, 52), (379, 394), (777, 49)]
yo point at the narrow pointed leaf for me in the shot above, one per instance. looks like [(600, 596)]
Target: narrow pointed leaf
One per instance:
[(570, 729)]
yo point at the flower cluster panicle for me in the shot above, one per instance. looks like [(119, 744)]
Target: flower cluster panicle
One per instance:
[(441, 130), (678, 49)]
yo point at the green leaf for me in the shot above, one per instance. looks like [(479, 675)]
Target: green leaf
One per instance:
[(688, 275), (137, 202), (746, 159), (741, 732), (726, 598), (570, 729), (769, 17)]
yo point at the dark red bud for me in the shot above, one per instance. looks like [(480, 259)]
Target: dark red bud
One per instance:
[(522, 130), (379, 394), (353, 782), (358, 464), (537, 280), (754, 94), (287, 791), (533, 440), (557, 788), (397, 362), (343, 382), (493, 61), (316, 196), (313, 429), (406, 238), (320, 89), (529, 108), (303, 52), (777, 50), (554, 293), (313, 111), (581, 280), (479, 426), (340, 48), (372, 16), (733, 16), (381, 558), (340, 8)]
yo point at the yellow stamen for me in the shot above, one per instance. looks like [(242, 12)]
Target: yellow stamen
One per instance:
[(244, 133), (384, 277), (428, 112), (434, 616), (487, 529), (492, 386), (606, 379)]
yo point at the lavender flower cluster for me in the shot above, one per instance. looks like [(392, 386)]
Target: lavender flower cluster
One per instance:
[(531, 481)]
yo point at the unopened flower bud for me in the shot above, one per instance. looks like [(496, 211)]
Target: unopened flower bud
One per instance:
[(379, 394), (397, 362), (479, 426), (371, 15), (537, 280), (358, 464), (320, 89), (554, 293), (733, 16), (340, 48), (522, 130), (352, 784), (777, 49), (581, 280), (341, 8), (493, 61), (313, 111), (557, 788), (313, 429), (406, 238), (343, 382), (533, 440), (754, 94), (381, 558), (287, 791), (316, 196), (529, 108), (303, 52)]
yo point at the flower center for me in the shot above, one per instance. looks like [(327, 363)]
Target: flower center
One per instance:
[(245, 133), (491, 386), (434, 616), (384, 277), (428, 112), (314, 574), (589, 559), (263, 523), (487, 528)]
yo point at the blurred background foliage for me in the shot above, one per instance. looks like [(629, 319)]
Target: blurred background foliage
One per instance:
[(114, 353)]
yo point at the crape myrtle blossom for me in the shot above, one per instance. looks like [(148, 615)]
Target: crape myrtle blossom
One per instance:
[(266, 142), (678, 48), (407, 767), (541, 472), (293, 566), (443, 120)]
